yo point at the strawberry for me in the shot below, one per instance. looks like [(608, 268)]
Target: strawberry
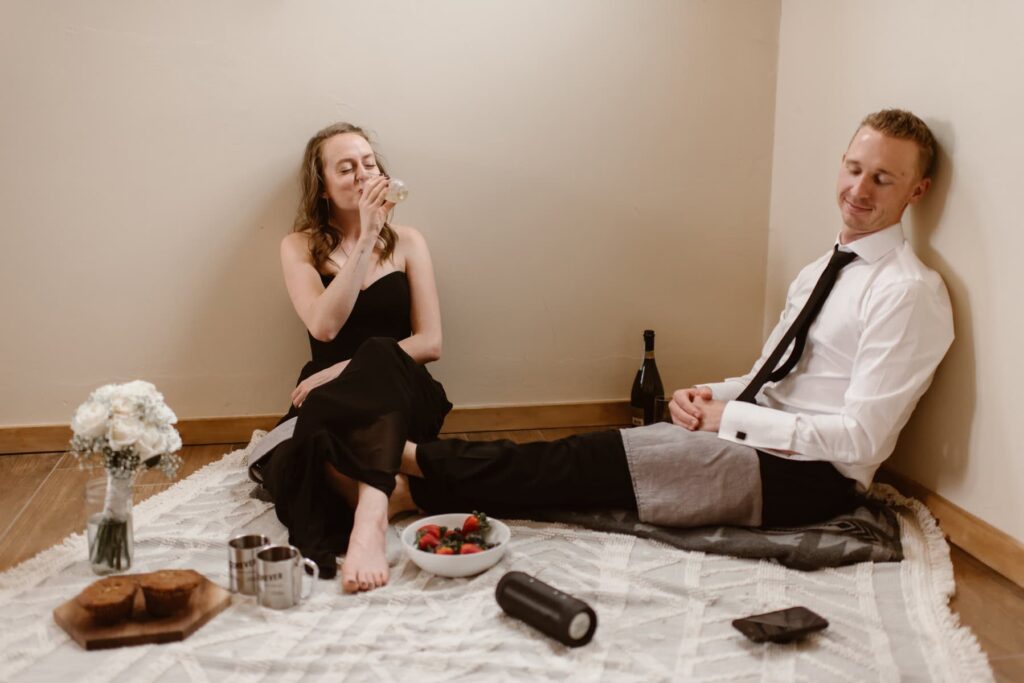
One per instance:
[(430, 529), (469, 549), (445, 550), (427, 542), (471, 524)]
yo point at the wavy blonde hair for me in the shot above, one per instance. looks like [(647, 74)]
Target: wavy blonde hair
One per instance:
[(314, 209)]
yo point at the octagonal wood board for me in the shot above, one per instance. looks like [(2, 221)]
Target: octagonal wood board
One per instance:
[(207, 601)]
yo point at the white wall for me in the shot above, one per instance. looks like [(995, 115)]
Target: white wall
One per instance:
[(956, 64), (581, 170)]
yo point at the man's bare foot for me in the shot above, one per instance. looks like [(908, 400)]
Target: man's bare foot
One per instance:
[(366, 564), (401, 498)]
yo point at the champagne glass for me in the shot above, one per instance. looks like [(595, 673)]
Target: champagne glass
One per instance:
[(397, 189)]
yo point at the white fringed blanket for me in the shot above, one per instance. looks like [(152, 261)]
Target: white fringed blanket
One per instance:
[(664, 613)]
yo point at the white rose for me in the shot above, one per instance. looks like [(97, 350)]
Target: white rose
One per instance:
[(104, 393), (122, 405), (164, 415), (124, 431), (173, 443), (141, 389), (151, 442), (90, 420)]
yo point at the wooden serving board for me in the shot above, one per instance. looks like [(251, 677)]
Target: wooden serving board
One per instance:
[(207, 601)]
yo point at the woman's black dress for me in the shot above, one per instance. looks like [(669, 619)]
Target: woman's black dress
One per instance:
[(358, 422)]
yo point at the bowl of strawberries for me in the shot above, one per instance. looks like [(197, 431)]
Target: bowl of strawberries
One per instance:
[(456, 544)]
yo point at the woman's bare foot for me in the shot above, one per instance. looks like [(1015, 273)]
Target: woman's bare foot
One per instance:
[(366, 564)]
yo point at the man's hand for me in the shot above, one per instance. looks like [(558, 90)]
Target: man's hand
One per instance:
[(712, 411), (684, 410)]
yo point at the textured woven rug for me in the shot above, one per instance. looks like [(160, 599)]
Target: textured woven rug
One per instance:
[(664, 613)]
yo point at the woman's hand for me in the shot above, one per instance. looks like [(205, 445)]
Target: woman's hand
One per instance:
[(313, 381), (373, 207)]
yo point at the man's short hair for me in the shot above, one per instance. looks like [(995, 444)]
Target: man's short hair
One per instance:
[(901, 124)]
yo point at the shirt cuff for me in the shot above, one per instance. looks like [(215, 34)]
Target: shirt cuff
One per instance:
[(756, 426)]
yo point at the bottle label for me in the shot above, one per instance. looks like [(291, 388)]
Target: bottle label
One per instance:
[(637, 415)]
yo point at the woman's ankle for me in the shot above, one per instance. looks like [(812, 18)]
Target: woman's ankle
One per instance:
[(371, 509)]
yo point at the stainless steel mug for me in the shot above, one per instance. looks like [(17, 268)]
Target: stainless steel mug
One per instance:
[(242, 561), (279, 572)]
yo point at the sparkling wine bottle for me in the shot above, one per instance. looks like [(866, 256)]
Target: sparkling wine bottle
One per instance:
[(647, 386)]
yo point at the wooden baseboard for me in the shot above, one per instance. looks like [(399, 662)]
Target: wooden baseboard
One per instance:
[(34, 439), (997, 549), (210, 430), (238, 429)]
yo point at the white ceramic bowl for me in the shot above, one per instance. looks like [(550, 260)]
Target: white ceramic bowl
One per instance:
[(456, 565)]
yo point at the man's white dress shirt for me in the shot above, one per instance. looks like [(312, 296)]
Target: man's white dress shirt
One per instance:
[(870, 355)]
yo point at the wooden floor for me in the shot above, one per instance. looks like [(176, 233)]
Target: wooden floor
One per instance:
[(41, 502)]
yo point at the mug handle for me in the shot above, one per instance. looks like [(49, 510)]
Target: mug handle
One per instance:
[(316, 575)]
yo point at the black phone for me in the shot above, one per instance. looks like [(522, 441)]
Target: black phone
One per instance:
[(783, 626)]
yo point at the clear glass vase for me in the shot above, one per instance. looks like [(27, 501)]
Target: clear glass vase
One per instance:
[(108, 503)]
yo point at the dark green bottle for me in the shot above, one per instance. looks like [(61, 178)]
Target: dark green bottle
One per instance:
[(647, 386)]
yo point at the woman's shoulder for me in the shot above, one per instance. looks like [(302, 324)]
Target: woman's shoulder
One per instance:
[(407, 232), (410, 240), (295, 247), (295, 242)]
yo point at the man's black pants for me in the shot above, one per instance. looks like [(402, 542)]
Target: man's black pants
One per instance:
[(589, 471)]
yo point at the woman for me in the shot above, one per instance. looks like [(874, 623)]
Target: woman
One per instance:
[(365, 291)]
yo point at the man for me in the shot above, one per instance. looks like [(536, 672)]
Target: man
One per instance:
[(791, 442)]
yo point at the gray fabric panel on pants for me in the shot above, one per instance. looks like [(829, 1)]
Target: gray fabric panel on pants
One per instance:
[(686, 479)]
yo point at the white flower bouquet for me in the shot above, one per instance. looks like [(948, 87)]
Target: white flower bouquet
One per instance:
[(126, 427)]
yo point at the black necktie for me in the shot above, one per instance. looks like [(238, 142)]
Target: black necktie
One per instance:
[(797, 332)]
